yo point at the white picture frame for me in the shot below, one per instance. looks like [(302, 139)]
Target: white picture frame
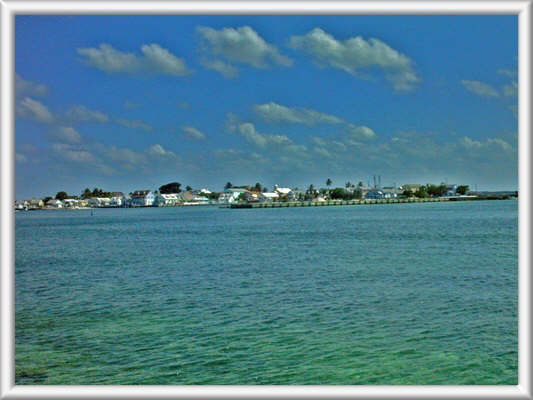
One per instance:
[(8, 390)]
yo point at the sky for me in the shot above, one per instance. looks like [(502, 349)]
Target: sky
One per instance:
[(134, 102)]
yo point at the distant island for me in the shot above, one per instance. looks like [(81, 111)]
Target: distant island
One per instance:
[(250, 196)]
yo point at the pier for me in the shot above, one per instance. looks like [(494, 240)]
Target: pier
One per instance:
[(281, 204)]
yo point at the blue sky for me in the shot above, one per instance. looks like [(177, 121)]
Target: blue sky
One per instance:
[(134, 102)]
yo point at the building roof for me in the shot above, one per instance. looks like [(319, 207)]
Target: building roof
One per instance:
[(141, 193), (270, 195), (283, 190)]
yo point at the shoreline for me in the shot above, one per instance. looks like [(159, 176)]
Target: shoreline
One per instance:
[(307, 203)]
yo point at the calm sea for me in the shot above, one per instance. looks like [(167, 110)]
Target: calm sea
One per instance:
[(376, 294)]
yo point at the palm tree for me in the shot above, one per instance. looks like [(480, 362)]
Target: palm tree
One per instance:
[(328, 183)]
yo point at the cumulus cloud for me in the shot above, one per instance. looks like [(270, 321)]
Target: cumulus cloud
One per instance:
[(277, 113), (511, 89), (223, 68), (20, 158), (127, 158), (80, 113), (247, 130), (155, 59), (158, 151), (360, 132), (24, 88), (241, 45), (355, 54), (162, 61), (480, 88), (507, 72), (192, 133), (34, 110), (134, 124), (73, 154), (66, 134), (469, 143)]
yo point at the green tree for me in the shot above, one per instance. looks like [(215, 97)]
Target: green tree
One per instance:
[(172, 187), (188, 188), (228, 185), (328, 183), (338, 193), (46, 199), (360, 184), (421, 192), (61, 196), (86, 193), (462, 189), (257, 187), (408, 193)]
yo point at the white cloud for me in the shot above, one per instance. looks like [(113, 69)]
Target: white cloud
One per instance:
[(25, 88), (80, 113), (158, 151), (155, 59), (70, 153), (134, 124), (241, 45), (125, 156), (107, 59), (247, 130), (268, 142), (34, 110), (356, 54), (508, 73), (277, 113), (480, 88), (322, 151), (360, 132), (163, 61), (225, 69), (497, 143), (66, 134), (192, 133), (511, 90), (20, 158)]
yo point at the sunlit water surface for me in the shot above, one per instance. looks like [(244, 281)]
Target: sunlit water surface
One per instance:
[(378, 294)]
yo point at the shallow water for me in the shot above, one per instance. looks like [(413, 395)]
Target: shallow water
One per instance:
[(378, 294)]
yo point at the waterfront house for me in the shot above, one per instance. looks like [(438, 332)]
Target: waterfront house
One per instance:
[(413, 187), (375, 194), (99, 202), (142, 198), (35, 203), (70, 203), (268, 196), (167, 200), (231, 194), (54, 203)]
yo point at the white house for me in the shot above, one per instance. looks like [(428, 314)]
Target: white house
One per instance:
[(70, 202), (99, 202), (166, 200), (54, 203), (230, 195), (268, 196), (142, 198)]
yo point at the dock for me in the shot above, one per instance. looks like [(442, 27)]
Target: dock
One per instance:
[(281, 204)]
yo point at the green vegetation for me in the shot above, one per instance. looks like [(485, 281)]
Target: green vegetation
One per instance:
[(462, 189), (61, 196), (173, 187)]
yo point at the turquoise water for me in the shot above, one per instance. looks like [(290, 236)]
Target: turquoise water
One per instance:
[(378, 294)]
